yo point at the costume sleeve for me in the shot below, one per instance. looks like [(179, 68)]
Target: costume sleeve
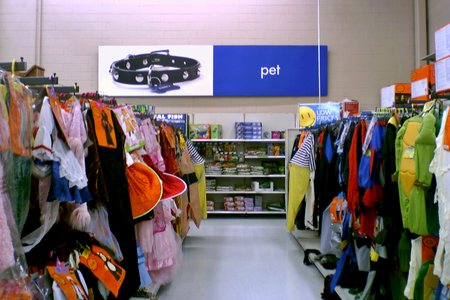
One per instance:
[(42, 147), (425, 145), (399, 147), (414, 265)]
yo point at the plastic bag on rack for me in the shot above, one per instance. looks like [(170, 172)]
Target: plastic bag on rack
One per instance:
[(13, 267), (15, 184), (99, 226), (338, 209), (20, 130), (49, 215)]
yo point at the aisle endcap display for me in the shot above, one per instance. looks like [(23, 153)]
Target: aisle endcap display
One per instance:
[(245, 174)]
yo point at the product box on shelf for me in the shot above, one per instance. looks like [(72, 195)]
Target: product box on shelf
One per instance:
[(248, 130), (216, 131), (200, 131), (262, 186), (278, 134), (249, 136), (210, 205), (275, 149), (258, 201), (350, 107), (249, 204)]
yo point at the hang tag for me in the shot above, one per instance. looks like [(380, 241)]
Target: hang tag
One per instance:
[(409, 152), (104, 127), (164, 87), (61, 268), (86, 252), (373, 255)]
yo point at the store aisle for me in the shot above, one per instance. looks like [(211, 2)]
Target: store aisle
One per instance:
[(243, 259)]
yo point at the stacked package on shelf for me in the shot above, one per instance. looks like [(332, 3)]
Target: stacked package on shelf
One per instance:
[(228, 203), (248, 130), (211, 184), (210, 205), (256, 151), (229, 168), (224, 188), (243, 169), (239, 204), (213, 168), (236, 203), (257, 170), (249, 204), (271, 168), (258, 203), (242, 187)]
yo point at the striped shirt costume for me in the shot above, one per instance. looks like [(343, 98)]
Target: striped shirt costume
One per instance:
[(305, 156)]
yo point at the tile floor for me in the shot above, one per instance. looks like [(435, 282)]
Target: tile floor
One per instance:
[(242, 259)]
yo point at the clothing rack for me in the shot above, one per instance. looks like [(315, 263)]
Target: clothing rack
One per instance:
[(17, 66), (39, 80), (59, 89)]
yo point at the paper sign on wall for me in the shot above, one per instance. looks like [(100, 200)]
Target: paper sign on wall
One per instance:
[(313, 114)]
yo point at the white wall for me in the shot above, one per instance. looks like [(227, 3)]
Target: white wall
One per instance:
[(371, 43), (17, 30)]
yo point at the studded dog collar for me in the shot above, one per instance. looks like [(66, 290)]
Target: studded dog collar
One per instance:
[(158, 69)]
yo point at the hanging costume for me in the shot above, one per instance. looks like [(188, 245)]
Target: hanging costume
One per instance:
[(187, 169), (423, 249), (353, 191), (440, 166), (300, 168), (414, 146), (199, 167), (326, 173), (21, 137), (119, 209)]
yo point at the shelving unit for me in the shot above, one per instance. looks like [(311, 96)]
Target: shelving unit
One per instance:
[(240, 156), (246, 176), (270, 122), (239, 140), (265, 157), (264, 212), (245, 192)]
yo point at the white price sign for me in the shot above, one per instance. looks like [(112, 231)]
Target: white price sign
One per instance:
[(419, 88), (442, 71), (442, 42), (388, 96)]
